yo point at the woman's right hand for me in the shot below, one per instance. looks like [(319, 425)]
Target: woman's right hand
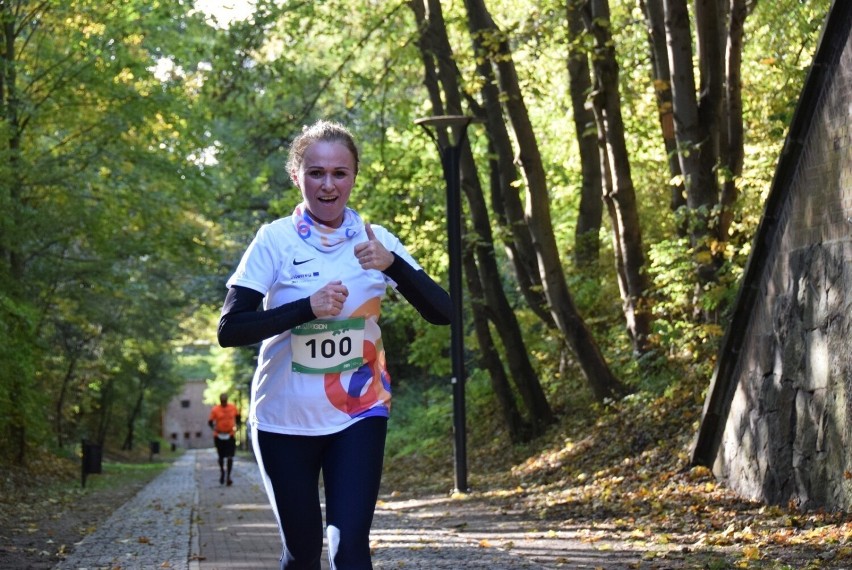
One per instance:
[(328, 301)]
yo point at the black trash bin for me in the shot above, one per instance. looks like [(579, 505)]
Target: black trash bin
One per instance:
[(154, 447), (92, 459)]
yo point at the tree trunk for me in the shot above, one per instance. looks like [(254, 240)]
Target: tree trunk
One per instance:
[(618, 181), (708, 124), (734, 149), (10, 103), (489, 357), (131, 420), (60, 402), (655, 22), (694, 141), (104, 412), (598, 374), (709, 17), (499, 310), (505, 198), (12, 260), (587, 233)]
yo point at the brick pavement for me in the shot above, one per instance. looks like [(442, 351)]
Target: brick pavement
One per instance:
[(235, 526), (186, 520)]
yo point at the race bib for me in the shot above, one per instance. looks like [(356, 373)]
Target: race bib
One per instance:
[(322, 347)]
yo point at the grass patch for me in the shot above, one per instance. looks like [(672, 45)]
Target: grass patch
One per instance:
[(59, 478), (116, 473)]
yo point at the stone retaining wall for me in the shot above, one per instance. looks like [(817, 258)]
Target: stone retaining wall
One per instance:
[(777, 422)]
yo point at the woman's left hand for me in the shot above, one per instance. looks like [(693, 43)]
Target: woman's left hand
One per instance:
[(372, 254)]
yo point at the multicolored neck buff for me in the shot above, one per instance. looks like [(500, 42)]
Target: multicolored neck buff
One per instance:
[(322, 237)]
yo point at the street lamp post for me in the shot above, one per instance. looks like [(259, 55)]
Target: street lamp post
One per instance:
[(450, 160)]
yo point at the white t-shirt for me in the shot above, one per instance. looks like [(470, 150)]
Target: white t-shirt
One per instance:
[(338, 375)]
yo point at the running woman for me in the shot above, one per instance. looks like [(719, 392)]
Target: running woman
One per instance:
[(321, 392)]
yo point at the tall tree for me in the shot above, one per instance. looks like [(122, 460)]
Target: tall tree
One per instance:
[(590, 211), (732, 154), (442, 78), (619, 194), (601, 380), (102, 195), (661, 76), (708, 117), (506, 201)]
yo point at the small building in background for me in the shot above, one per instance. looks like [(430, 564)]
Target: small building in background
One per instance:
[(185, 418)]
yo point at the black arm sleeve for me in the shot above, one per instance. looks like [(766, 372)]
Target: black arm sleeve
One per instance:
[(241, 324), (429, 298)]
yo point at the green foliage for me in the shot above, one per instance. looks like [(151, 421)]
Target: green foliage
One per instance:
[(230, 373), (421, 422), (102, 233), (681, 332), (143, 148), (21, 403), (194, 364)]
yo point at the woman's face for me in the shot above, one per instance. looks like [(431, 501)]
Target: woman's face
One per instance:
[(326, 177)]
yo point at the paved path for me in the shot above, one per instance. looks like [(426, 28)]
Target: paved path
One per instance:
[(185, 520), (152, 530), (235, 527)]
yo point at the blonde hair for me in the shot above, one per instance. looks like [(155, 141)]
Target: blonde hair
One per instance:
[(321, 131)]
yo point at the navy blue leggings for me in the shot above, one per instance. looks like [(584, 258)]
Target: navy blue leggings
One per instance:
[(351, 466)]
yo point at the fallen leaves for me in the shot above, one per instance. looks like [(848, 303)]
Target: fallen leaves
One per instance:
[(625, 479)]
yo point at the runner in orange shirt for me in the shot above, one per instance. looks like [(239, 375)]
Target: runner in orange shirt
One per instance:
[(224, 419)]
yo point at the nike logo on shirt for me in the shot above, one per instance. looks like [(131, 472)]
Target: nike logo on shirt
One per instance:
[(297, 262)]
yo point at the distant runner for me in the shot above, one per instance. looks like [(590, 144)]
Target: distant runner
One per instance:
[(224, 419)]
